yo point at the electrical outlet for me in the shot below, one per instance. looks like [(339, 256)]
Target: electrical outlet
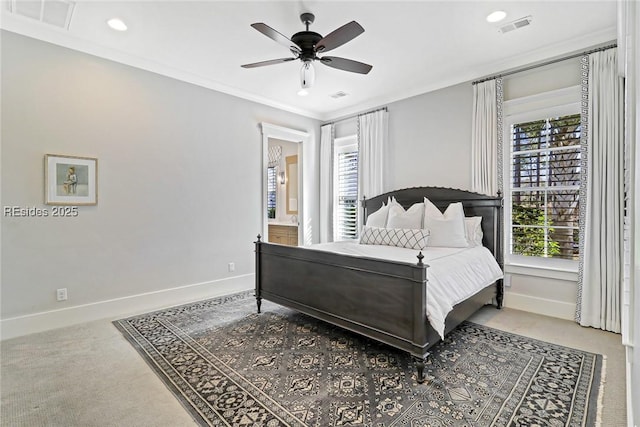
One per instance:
[(61, 294), (232, 266)]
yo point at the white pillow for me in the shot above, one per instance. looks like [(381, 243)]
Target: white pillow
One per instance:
[(447, 230), (400, 237), (411, 218), (473, 230), (379, 217)]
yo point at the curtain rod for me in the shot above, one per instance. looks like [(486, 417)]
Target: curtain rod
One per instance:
[(553, 61), (355, 115)]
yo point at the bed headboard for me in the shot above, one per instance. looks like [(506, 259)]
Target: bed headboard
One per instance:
[(488, 207)]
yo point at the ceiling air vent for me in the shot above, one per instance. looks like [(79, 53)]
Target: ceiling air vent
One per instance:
[(514, 25), (53, 12), (338, 95)]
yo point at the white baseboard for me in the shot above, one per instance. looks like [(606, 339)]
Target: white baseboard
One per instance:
[(629, 377), (122, 307), (547, 307)]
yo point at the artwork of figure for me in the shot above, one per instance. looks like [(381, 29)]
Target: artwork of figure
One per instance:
[(71, 181)]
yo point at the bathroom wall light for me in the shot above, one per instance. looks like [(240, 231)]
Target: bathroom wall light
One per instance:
[(281, 177)]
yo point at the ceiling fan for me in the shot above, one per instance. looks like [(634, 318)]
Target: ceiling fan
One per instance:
[(307, 45)]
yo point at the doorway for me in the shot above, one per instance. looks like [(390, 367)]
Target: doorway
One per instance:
[(288, 211)]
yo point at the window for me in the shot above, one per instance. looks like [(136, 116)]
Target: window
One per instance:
[(543, 184), (271, 192), (345, 189)]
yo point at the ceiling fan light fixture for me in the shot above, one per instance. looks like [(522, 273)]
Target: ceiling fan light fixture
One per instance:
[(307, 75), (305, 46)]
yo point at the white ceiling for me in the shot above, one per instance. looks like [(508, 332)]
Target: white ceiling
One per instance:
[(414, 46)]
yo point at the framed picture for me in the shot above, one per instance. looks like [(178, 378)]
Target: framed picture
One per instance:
[(70, 180)]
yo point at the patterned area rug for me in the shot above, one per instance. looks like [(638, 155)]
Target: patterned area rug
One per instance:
[(230, 366)]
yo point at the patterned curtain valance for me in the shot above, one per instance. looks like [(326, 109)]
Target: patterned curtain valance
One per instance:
[(275, 153)]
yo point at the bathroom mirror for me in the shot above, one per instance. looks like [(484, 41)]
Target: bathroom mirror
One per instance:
[(291, 163)]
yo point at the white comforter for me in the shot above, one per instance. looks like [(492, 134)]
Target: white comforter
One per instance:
[(454, 274)]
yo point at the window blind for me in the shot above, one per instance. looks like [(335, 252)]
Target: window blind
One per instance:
[(347, 189), (545, 186)]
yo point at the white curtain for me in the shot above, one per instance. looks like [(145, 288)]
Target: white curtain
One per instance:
[(372, 139), (484, 139), (601, 268), (326, 183)]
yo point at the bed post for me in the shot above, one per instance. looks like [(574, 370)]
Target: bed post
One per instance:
[(420, 362), (499, 293), (420, 324), (364, 210), (257, 294)]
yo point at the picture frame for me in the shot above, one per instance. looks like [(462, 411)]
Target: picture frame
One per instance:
[(70, 180)]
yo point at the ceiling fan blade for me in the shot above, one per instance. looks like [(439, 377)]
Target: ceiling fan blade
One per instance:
[(346, 64), (270, 62), (274, 35), (339, 37)]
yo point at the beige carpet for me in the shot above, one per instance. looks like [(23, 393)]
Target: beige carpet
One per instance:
[(88, 375)]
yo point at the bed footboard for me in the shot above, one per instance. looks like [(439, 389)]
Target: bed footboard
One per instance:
[(383, 300)]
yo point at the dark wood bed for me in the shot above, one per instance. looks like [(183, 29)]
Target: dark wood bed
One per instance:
[(383, 300)]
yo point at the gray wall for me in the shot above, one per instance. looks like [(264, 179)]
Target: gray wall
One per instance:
[(179, 178), (429, 139)]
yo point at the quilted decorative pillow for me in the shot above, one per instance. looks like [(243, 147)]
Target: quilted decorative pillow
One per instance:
[(400, 237)]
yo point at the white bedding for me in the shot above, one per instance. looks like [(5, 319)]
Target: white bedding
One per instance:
[(454, 274)]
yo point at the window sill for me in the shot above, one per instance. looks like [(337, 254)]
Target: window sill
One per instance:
[(569, 274)]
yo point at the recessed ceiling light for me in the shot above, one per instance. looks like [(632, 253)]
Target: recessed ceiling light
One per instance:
[(303, 92), (496, 16), (117, 24)]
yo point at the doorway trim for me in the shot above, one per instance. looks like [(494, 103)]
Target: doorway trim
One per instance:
[(286, 134)]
